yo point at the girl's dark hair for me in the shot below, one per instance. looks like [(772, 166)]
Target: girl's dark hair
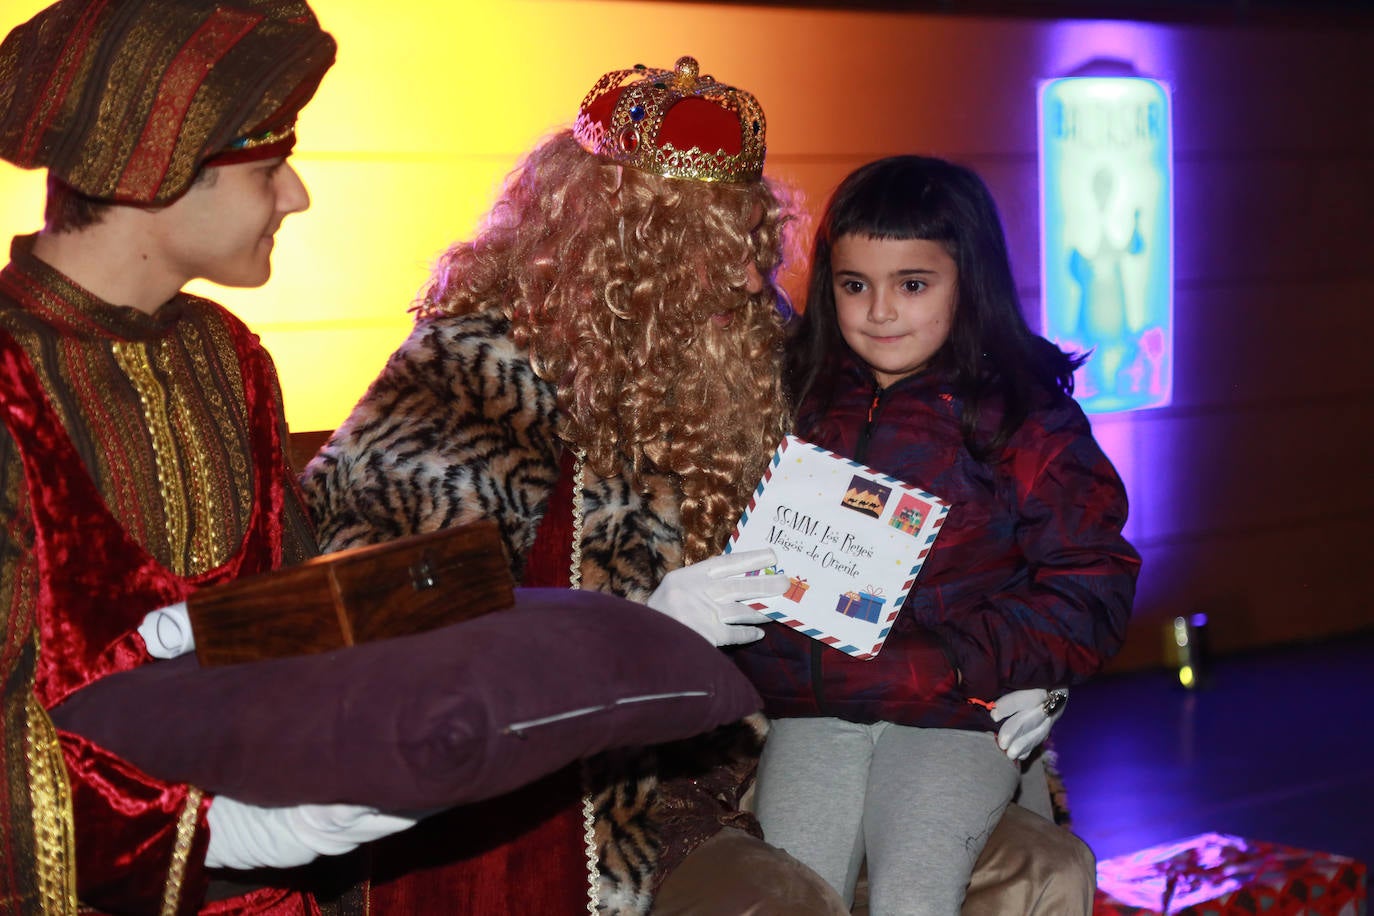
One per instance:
[(991, 353)]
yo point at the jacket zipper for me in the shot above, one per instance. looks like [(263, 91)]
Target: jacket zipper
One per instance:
[(861, 447), (860, 452)]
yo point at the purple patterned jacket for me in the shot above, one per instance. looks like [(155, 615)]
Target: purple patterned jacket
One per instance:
[(1029, 584)]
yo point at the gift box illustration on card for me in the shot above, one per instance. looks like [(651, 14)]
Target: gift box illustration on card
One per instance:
[(848, 601), (865, 605), (796, 589)]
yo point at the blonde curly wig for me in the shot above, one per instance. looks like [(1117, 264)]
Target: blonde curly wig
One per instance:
[(629, 292)]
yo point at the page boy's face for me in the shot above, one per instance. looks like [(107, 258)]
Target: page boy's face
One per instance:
[(223, 228), (894, 301)]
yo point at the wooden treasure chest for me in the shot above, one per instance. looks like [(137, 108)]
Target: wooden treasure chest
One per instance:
[(398, 588)]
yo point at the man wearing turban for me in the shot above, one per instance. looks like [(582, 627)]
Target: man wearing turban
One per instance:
[(141, 450)]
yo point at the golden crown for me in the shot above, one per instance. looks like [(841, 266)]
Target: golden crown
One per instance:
[(676, 123)]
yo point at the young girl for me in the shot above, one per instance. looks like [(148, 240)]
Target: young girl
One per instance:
[(912, 357)]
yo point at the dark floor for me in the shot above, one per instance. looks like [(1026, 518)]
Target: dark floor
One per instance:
[(1279, 746)]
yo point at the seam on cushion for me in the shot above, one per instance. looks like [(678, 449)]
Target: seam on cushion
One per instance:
[(663, 696), (516, 728)]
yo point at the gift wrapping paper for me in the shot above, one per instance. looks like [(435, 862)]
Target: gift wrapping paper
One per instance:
[(1215, 874)]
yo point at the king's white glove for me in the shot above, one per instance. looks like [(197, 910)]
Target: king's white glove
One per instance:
[(249, 836), (167, 631), (705, 596), (1026, 717)]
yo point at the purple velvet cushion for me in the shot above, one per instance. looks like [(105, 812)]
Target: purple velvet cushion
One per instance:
[(448, 717)]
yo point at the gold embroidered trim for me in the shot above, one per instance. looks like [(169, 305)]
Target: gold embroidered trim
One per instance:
[(579, 509), (263, 139), (52, 814), (227, 407), (207, 548), (181, 851), (575, 581), (589, 845), (133, 359)]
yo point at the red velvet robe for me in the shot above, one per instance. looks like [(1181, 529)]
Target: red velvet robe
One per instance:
[(95, 585)]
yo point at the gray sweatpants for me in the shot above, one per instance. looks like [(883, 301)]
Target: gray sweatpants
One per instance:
[(918, 802)]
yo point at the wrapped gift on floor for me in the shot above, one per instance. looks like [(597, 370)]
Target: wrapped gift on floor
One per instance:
[(1215, 874)]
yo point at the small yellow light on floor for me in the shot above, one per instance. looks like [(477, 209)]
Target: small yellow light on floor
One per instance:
[(1185, 675)]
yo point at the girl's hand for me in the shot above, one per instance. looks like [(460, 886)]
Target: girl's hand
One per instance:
[(1026, 717)]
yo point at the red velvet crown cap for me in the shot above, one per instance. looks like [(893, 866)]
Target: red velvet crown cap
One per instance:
[(676, 123), (691, 122)]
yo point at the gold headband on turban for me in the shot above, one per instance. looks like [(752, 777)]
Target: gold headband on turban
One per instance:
[(125, 100)]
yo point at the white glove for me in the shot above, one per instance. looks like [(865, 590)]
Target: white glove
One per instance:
[(167, 631), (705, 596), (247, 836), (1028, 715)]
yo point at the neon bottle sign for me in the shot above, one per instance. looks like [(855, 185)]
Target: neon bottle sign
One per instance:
[(1106, 180)]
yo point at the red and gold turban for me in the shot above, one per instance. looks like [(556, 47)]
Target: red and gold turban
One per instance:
[(125, 100)]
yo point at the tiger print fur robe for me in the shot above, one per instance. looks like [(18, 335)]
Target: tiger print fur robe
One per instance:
[(458, 427)]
